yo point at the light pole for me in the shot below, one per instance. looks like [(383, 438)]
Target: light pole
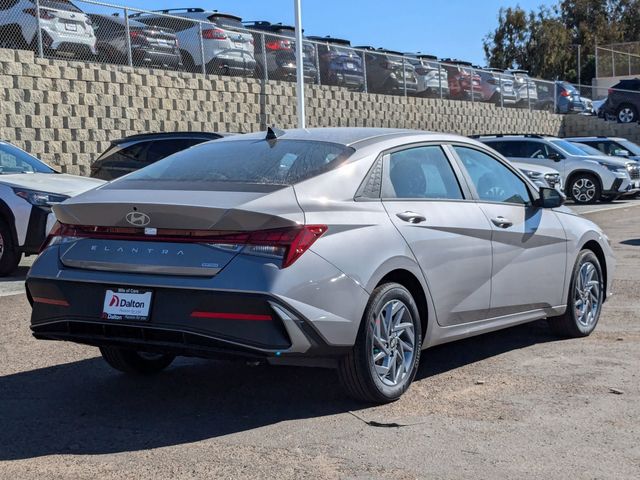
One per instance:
[(579, 66), (299, 65)]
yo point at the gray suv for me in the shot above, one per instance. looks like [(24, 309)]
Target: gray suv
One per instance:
[(586, 178)]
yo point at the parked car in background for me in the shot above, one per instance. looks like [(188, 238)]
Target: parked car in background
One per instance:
[(131, 153), (567, 98), (66, 30), (28, 190), (526, 91), (497, 86), (464, 82), (279, 56), (151, 46), (623, 101), (388, 72), (613, 146), (226, 47), (261, 249), (339, 64), (541, 175), (432, 80), (586, 179), (588, 106), (596, 146)]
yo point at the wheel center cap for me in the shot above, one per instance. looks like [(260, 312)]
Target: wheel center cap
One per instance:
[(394, 342)]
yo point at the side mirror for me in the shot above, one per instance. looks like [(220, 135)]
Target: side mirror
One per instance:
[(556, 157), (621, 153), (550, 198)]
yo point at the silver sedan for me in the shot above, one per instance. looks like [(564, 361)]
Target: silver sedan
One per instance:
[(352, 248)]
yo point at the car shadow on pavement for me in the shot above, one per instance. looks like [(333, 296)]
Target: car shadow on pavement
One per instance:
[(85, 408), (19, 275)]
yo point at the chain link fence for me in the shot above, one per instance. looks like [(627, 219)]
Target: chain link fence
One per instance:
[(618, 59), (209, 42)]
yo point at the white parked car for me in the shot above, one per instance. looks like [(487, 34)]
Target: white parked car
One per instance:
[(218, 38), (65, 28), (541, 175), (28, 189)]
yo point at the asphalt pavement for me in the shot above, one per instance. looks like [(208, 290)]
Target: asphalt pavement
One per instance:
[(519, 403)]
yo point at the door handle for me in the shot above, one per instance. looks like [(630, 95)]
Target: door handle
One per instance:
[(502, 222), (411, 217)]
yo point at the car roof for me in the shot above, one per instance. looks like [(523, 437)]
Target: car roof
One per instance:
[(118, 19), (165, 135), (356, 137), (593, 138), (512, 136), (328, 39)]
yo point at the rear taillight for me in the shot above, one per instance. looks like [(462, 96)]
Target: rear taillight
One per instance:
[(565, 93), (286, 244), (135, 35), (279, 45), (214, 34), (44, 14)]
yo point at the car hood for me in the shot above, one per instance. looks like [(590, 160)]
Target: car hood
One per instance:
[(59, 183), (535, 168), (619, 162)]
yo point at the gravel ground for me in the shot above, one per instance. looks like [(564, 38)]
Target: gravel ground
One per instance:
[(513, 404)]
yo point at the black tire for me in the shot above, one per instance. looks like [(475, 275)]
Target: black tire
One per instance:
[(627, 113), (11, 37), (588, 197), (9, 254), (569, 324), (138, 363), (188, 65), (356, 370)]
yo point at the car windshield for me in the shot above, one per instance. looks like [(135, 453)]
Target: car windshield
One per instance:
[(568, 147), (588, 149), (14, 160), (276, 162), (633, 148)]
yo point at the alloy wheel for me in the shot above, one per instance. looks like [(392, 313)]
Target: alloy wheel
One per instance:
[(583, 190), (587, 294), (393, 343), (626, 115)]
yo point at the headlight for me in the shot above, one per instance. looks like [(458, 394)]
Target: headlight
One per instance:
[(41, 199), (532, 175), (614, 168)]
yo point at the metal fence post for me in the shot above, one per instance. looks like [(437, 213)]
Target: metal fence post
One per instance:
[(128, 34), (39, 30), (265, 68), (404, 77), (555, 97), (473, 95), (203, 66), (317, 60), (629, 59), (364, 70), (440, 79), (500, 87), (526, 82), (613, 63)]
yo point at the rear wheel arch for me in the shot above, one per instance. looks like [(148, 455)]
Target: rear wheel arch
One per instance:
[(409, 281)]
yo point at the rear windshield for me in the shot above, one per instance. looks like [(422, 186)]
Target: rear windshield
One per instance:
[(60, 5), (281, 162), (227, 22)]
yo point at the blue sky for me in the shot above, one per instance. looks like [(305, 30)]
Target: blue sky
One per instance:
[(452, 28)]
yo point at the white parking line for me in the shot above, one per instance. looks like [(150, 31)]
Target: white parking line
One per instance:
[(614, 207)]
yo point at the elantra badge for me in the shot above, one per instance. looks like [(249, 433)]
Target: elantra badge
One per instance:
[(138, 219)]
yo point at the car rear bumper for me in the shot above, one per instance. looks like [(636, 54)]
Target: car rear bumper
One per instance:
[(309, 309), (153, 58), (196, 323)]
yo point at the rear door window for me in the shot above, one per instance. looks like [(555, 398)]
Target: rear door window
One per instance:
[(421, 173)]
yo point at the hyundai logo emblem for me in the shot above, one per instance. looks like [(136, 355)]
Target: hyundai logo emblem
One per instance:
[(138, 219)]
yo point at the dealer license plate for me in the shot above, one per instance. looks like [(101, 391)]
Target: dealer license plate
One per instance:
[(127, 304)]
